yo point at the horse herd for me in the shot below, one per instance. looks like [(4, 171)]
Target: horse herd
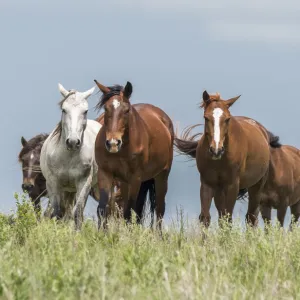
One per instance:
[(127, 153)]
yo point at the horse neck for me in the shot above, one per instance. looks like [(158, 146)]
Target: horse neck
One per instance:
[(133, 131), (233, 135)]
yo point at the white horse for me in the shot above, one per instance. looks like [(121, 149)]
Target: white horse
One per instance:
[(68, 158)]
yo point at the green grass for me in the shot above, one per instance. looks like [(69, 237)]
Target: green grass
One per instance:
[(49, 260)]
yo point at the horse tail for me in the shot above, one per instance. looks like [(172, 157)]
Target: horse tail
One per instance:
[(273, 140), (146, 186), (187, 144)]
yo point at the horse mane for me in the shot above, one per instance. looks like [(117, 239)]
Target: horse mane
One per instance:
[(34, 143), (115, 90), (273, 140), (215, 98)]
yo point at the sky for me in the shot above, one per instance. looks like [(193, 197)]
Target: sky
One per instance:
[(170, 50)]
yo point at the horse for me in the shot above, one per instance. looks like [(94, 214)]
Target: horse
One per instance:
[(68, 158), (34, 183), (282, 188), (135, 147), (146, 187), (232, 154)]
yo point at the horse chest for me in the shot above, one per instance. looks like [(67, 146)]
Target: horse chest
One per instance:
[(216, 174)]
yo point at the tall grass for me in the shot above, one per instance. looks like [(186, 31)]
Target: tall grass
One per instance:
[(49, 260)]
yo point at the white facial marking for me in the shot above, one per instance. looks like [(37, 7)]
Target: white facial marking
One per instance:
[(31, 156), (116, 103), (217, 113)]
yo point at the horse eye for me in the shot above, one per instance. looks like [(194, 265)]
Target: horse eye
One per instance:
[(64, 111), (206, 119), (86, 112), (227, 120)]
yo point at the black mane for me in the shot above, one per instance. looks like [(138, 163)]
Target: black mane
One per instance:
[(34, 143), (114, 91)]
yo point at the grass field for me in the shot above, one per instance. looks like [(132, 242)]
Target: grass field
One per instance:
[(49, 260)]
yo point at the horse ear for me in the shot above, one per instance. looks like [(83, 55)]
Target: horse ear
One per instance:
[(205, 97), (127, 91), (88, 93), (62, 90), (230, 101), (23, 141), (102, 88)]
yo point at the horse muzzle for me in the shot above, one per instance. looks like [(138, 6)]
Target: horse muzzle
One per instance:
[(216, 154), (27, 187), (73, 144), (113, 145)]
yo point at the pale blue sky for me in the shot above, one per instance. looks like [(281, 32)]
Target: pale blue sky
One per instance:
[(170, 50)]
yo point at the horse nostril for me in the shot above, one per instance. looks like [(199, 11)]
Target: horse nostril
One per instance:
[(211, 149), (68, 142), (107, 144), (27, 187), (78, 143), (119, 143)]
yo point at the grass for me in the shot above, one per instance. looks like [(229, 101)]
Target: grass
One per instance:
[(49, 260)]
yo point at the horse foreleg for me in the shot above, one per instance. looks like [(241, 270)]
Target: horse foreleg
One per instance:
[(54, 205), (295, 211), (225, 199), (129, 194), (206, 195), (83, 188), (254, 202), (161, 189), (104, 184), (281, 212), (266, 215)]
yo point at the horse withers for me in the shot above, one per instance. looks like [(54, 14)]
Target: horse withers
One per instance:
[(34, 183), (232, 154), (135, 147), (68, 158)]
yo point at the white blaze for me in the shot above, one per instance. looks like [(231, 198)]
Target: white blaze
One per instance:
[(116, 103), (217, 113)]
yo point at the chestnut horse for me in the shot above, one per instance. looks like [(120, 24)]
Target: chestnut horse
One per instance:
[(232, 154), (282, 188), (135, 145)]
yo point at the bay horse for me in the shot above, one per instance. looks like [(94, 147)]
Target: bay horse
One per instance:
[(282, 188), (68, 158), (233, 154), (146, 187), (34, 183), (134, 146)]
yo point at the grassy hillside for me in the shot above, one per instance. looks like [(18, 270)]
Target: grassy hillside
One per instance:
[(48, 260)]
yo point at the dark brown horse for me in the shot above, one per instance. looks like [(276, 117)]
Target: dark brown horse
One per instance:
[(34, 182), (282, 188), (135, 145), (232, 154)]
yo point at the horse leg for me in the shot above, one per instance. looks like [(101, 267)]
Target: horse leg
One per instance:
[(83, 189), (266, 214), (206, 195), (130, 193), (254, 202), (295, 211), (67, 205), (54, 200), (104, 184), (281, 212), (161, 188), (225, 199)]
